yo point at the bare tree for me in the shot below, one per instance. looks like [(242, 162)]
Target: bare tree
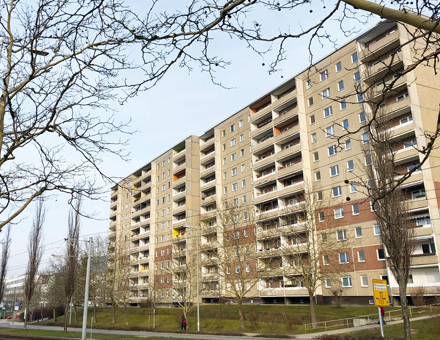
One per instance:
[(4, 264), (71, 265), (98, 270), (35, 252), (231, 252), (55, 287), (391, 209)]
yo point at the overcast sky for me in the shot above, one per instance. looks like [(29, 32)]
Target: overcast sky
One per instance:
[(180, 105)]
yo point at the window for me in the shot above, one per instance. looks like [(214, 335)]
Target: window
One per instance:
[(233, 142), (339, 213), (315, 156), (314, 139), (336, 191), (224, 175), (236, 218), (248, 268), (423, 220), (324, 75), (242, 153), (240, 123), (334, 170), (243, 167), (357, 76), (241, 138), (365, 138), (353, 187), (234, 187), (163, 163), (325, 93), (330, 131), (362, 117), (246, 233), (368, 160), (348, 144), (376, 229), (360, 97), (402, 97), (328, 283), (235, 202), (361, 256), (224, 161), (338, 67), (243, 183), (354, 57), (321, 216), (328, 112), (237, 235), (325, 260), (237, 268), (410, 279), (244, 199), (232, 128), (317, 176), (410, 144), (308, 84), (324, 237), (343, 258), (310, 101), (358, 232), (332, 150), (345, 124), (381, 254), (312, 119), (414, 167), (355, 209), (343, 105), (233, 156), (319, 195), (418, 193), (233, 171), (341, 235), (406, 120), (225, 190), (364, 281), (245, 217), (340, 85), (223, 133), (163, 175)]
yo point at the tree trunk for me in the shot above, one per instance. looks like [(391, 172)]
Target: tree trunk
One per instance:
[(113, 312), (312, 310), (54, 314), (126, 315), (66, 309), (240, 312), (94, 313), (405, 315), (76, 313), (25, 319)]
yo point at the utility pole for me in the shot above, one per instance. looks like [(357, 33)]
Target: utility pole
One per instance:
[(86, 293), (13, 306)]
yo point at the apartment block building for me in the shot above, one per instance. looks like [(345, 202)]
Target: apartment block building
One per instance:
[(305, 137)]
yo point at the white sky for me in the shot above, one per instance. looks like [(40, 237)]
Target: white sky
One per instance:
[(180, 105)]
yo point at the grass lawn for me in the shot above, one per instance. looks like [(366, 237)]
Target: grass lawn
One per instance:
[(270, 319), (428, 329), (69, 335)]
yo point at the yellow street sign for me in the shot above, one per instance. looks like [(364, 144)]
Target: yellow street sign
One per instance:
[(380, 289)]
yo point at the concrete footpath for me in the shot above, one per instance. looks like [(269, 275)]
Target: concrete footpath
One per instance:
[(247, 336)]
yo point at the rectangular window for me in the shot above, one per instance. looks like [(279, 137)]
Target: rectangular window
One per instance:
[(325, 93), (313, 137), (343, 258), (334, 170), (233, 142), (345, 124), (244, 199), (380, 254), (358, 232), (332, 150), (402, 97), (234, 171), (317, 176), (336, 191), (357, 76), (418, 193), (328, 112), (224, 161), (243, 168), (325, 260), (360, 97), (330, 131), (242, 153), (364, 281), (368, 160), (338, 67), (321, 216), (310, 101), (243, 183), (362, 117), (324, 75), (324, 237), (340, 85), (341, 235), (328, 283), (315, 156), (361, 256), (241, 137), (235, 202), (343, 105), (339, 213), (224, 175), (312, 119), (353, 187), (348, 144), (354, 57), (355, 209), (319, 195), (234, 187), (346, 281), (365, 138), (308, 84), (240, 123), (233, 156), (232, 128), (376, 229)]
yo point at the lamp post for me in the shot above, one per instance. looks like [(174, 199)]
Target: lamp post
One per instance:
[(86, 292)]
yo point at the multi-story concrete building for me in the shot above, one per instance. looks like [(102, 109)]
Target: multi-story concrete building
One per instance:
[(268, 155)]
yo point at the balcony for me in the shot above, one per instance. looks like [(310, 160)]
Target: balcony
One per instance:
[(290, 151), (401, 129), (179, 167), (263, 143), (380, 47), (261, 108), (178, 155), (179, 208), (286, 291), (179, 180), (208, 183), (289, 170), (424, 259), (206, 145), (205, 157), (286, 115), (208, 230), (383, 67), (262, 180), (210, 169), (379, 91), (266, 196)]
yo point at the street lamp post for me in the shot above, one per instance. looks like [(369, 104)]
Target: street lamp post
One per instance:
[(86, 292)]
